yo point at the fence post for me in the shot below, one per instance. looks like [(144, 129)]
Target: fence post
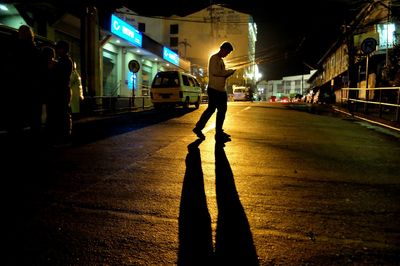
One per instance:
[(341, 97), (398, 103), (380, 103)]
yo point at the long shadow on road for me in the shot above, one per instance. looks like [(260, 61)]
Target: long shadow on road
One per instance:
[(195, 235), (234, 242)]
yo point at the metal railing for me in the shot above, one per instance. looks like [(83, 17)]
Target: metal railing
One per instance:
[(114, 104), (380, 102)]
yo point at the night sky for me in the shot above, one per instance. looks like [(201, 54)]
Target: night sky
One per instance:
[(292, 35)]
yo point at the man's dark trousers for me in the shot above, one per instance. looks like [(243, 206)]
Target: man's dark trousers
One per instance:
[(216, 100)]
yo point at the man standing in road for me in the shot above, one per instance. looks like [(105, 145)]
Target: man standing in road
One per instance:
[(217, 95)]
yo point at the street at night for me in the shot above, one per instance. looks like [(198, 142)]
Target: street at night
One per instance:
[(291, 188)]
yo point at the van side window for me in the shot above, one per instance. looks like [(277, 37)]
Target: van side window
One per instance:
[(192, 82), (196, 83), (185, 80)]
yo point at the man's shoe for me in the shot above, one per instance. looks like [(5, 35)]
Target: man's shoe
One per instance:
[(226, 134), (222, 137), (198, 133)]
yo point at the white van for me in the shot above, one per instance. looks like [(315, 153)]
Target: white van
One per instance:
[(241, 94), (172, 88)]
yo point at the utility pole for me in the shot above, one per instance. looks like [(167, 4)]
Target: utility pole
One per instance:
[(185, 44)]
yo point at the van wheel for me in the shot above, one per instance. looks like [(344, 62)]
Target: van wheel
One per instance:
[(197, 104), (186, 104)]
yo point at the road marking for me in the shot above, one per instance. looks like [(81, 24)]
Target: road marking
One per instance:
[(212, 125)]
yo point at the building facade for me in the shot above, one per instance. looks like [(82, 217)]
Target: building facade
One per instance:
[(197, 36), (350, 62), (102, 47)]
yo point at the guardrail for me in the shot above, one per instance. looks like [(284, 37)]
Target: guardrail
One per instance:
[(380, 102), (114, 104)]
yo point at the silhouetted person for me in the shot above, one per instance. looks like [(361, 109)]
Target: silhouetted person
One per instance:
[(24, 95), (217, 95), (251, 95), (47, 68), (60, 123)]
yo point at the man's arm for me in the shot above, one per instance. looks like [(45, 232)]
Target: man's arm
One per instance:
[(217, 68)]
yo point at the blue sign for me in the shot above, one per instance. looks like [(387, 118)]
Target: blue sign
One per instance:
[(171, 56), (132, 80), (125, 31)]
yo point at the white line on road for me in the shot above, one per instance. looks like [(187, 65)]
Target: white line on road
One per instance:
[(247, 108), (212, 125)]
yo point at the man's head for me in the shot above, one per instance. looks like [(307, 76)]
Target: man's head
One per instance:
[(62, 48), (62, 45), (225, 48), (26, 33)]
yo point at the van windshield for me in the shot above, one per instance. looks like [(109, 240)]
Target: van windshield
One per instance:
[(166, 80)]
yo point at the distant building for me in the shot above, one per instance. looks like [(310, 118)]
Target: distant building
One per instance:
[(288, 86)]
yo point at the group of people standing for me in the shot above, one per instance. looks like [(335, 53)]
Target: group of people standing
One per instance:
[(40, 84)]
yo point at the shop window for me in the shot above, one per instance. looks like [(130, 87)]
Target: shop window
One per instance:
[(110, 76), (146, 80), (185, 80)]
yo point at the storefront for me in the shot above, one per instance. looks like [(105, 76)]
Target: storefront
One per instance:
[(103, 62), (123, 44)]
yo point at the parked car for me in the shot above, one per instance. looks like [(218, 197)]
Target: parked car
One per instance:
[(175, 88), (284, 99)]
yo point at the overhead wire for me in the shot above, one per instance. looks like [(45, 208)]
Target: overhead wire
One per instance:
[(270, 54)]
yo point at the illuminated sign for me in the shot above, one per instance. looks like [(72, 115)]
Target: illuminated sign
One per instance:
[(125, 31), (132, 81), (171, 56)]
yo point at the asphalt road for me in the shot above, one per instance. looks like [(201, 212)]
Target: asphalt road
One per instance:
[(291, 188)]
